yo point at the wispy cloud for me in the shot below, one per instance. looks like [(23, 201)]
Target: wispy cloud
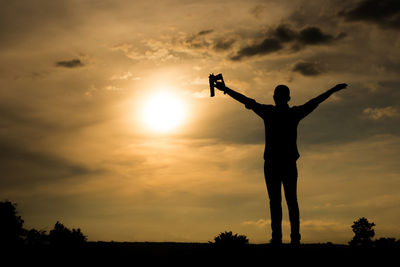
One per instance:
[(125, 76), (315, 224), (176, 46), (381, 113)]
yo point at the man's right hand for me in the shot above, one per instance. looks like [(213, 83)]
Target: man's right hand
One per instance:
[(220, 86)]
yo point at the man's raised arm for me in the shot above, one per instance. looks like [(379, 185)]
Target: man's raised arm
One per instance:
[(322, 97), (248, 102), (308, 107)]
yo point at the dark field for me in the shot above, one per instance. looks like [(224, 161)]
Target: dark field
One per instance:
[(195, 254)]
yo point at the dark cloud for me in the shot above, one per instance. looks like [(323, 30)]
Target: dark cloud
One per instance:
[(283, 33), (195, 36), (385, 13), (267, 46), (314, 36), (22, 166), (73, 63), (29, 118), (204, 32), (308, 68), (223, 44), (283, 36), (198, 40)]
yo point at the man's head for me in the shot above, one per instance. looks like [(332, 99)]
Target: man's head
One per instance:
[(281, 94)]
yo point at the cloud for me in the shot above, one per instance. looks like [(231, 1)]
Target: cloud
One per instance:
[(198, 40), (314, 36), (222, 44), (381, 113), (167, 48), (73, 63), (309, 224), (258, 10), (125, 76), (204, 32), (281, 37), (30, 119), (38, 167), (262, 223), (267, 46), (284, 33), (130, 51), (308, 68), (324, 229), (384, 13)]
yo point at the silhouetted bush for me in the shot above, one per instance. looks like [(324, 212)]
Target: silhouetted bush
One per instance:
[(11, 225), (230, 239), (62, 236), (389, 242), (363, 233)]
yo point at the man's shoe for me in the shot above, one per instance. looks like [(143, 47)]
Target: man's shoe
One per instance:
[(276, 242), (295, 240)]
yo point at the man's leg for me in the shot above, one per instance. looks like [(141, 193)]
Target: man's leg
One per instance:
[(290, 188), (273, 182)]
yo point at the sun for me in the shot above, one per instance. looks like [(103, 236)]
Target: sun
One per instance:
[(163, 112)]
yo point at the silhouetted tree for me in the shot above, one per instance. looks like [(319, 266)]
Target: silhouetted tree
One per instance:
[(11, 225), (363, 232), (230, 239), (62, 236), (36, 237)]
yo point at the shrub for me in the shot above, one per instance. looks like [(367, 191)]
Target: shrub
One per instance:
[(62, 236), (230, 239), (388, 242)]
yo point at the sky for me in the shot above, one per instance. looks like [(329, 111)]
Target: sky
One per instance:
[(75, 146)]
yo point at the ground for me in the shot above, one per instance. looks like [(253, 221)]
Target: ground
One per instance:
[(202, 254)]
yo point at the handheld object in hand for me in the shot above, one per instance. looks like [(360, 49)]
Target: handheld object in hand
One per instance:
[(212, 80)]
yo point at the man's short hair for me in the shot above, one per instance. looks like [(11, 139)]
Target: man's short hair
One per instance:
[(282, 92)]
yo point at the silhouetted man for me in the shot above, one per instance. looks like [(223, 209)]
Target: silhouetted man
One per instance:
[(281, 152)]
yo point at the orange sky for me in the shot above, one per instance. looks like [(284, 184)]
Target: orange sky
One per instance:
[(74, 148)]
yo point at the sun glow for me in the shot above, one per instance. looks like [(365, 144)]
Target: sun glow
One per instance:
[(163, 112)]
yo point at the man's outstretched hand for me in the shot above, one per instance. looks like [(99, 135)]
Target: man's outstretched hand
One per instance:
[(340, 86), (220, 86)]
